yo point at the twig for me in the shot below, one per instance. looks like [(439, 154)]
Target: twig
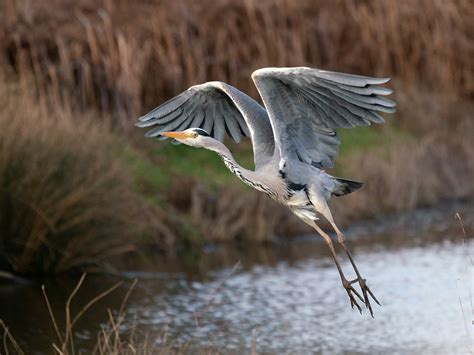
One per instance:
[(55, 347), (51, 314), (463, 238), (11, 338), (5, 346), (254, 343), (68, 315), (94, 300)]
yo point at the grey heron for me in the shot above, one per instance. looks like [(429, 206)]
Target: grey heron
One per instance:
[(293, 138)]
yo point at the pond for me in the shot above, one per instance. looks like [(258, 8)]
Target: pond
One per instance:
[(285, 298)]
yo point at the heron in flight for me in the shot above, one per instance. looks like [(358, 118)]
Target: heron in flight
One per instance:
[(293, 138)]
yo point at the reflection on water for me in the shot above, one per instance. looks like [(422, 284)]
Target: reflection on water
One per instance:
[(287, 297)]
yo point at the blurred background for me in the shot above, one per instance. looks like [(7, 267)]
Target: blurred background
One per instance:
[(221, 268)]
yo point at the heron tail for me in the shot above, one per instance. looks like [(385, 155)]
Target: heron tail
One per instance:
[(344, 186)]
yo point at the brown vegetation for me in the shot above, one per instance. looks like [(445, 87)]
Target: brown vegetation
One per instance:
[(436, 163), (64, 201), (120, 57), (64, 194), (110, 340)]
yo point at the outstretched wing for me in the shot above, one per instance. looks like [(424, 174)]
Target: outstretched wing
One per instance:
[(217, 108), (306, 105)]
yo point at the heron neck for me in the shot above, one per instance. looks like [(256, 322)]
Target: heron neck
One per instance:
[(229, 161), (251, 178)]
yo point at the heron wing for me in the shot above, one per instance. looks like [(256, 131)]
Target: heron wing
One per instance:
[(306, 105), (218, 108)]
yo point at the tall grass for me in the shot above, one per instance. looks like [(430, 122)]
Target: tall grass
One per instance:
[(65, 202), (125, 58)]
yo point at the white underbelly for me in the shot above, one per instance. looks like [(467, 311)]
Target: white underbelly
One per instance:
[(301, 206)]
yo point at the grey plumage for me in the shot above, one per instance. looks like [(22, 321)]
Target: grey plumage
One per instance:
[(294, 137), (304, 107), (217, 108), (206, 105), (319, 101)]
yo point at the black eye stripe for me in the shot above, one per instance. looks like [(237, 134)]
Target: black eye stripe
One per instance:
[(201, 132)]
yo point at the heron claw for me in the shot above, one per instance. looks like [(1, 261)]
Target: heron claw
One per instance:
[(350, 292), (366, 292)]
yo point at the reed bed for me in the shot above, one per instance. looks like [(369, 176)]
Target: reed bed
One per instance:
[(76, 74), (125, 59), (65, 202)]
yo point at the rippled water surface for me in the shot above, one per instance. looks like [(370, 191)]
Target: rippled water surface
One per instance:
[(286, 298)]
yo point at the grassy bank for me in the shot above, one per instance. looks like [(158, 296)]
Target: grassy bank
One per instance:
[(80, 185)]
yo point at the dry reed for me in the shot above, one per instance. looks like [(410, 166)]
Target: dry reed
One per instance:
[(111, 339), (65, 202), (123, 58)]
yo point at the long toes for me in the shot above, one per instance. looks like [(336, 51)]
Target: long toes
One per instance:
[(363, 287), (373, 296), (358, 295), (350, 292), (347, 285), (367, 304), (366, 290), (353, 301)]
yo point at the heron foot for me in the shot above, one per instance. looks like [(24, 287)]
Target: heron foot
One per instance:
[(351, 291), (366, 292)]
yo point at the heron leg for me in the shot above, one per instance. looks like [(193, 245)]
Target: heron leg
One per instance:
[(347, 284), (362, 282)]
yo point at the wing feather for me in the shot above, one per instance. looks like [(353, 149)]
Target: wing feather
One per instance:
[(243, 127), (219, 125), (307, 105), (342, 109), (232, 124), (167, 107), (205, 105), (198, 119), (161, 120), (168, 127), (209, 119), (217, 108)]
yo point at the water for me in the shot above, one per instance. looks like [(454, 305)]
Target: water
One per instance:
[(286, 298)]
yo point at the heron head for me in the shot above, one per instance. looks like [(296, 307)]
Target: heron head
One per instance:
[(194, 137)]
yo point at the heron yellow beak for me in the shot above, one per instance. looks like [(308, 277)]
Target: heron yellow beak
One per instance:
[(177, 135)]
